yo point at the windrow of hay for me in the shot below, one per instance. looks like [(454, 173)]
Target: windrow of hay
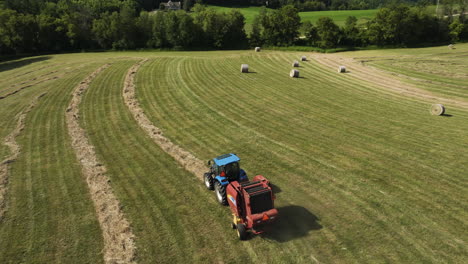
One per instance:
[(294, 73), (437, 109), (29, 85), (119, 246), (295, 64), (185, 158), (244, 68), (303, 58), (341, 69), (15, 150), (257, 49)]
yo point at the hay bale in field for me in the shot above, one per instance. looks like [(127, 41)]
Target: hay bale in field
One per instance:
[(257, 49), (342, 69), (303, 58), (295, 64), (294, 73), (451, 46), (437, 109), (244, 68)]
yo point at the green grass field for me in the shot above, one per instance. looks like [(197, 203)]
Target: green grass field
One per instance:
[(338, 16), (363, 174)]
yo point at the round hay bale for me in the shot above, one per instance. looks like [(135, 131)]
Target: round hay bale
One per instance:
[(257, 49), (295, 64), (451, 46), (342, 69), (294, 73), (244, 68), (437, 109), (303, 58)]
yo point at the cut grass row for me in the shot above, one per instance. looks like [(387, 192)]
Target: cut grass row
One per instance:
[(362, 175), (436, 69), (50, 218), (173, 217), (336, 147)]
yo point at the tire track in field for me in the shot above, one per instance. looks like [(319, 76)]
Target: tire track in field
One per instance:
[(15, 149), (119, 246), (185, 158), (382, 79)]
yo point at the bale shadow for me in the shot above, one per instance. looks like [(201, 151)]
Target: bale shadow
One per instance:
[(9, 65), (446, 115), (293, 222)]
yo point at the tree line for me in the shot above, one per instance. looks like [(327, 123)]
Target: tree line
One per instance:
[(69, 25), (316, 5)]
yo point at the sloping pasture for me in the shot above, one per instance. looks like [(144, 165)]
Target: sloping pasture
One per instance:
[(362, 174)]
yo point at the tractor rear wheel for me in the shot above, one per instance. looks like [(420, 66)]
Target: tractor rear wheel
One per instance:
[(220, 193), (208, 181), (241, 232)]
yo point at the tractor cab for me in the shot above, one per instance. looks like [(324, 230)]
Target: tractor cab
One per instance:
[(223, 170)]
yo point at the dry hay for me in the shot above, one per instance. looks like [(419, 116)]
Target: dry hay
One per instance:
[(294, 73), (437, 109), (119, 246), (303, 58), (341, 69), (295, 64), (15, 150), (185, 158), (257, 49), (244, 68)]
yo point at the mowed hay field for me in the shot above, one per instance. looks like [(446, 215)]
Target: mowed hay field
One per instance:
[(363, 174)]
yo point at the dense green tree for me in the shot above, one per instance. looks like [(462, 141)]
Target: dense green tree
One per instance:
[(188, 4), (235, 36), (255, 37), (281, 27), (310, 33), (18, 32), (158, 37), (328, 33), (106, 29), (351, 32)]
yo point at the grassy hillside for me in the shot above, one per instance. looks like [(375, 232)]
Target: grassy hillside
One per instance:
[(338, 16), (439, 70), (49, 217), (363, 174)]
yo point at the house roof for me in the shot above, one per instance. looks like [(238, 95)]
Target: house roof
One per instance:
[(172, 4)]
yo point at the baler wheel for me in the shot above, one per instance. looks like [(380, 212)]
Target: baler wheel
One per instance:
[(208, 181), (241, 232), (220, 193)]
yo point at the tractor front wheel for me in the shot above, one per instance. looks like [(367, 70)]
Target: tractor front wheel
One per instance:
[(208, 181), (241, 232), (220, 193)]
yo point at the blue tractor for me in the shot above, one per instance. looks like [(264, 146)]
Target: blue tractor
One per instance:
[(223, 170)]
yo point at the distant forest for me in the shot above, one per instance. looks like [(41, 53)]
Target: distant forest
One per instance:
[(34, 26)]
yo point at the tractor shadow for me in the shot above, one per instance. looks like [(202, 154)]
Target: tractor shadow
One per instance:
[(10, 65), (275, 188), (293, 222)]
